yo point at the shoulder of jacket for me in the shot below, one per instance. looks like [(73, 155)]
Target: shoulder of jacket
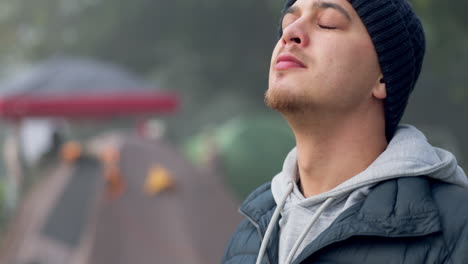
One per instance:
[(450, 198), (452, 201)]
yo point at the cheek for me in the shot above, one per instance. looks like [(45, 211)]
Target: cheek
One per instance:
[(353, 58), (365, 55), (338, 62), (347, 70)]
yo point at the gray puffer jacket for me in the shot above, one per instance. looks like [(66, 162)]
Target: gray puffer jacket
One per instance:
[(406, 220)]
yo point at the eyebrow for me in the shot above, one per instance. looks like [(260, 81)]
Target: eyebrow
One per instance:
[(322, 5)]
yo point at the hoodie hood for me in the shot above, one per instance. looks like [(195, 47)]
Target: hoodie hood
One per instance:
[(408, 154)]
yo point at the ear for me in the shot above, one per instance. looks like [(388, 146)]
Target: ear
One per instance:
[(380, 89)]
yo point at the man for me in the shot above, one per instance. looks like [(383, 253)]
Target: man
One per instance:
[(357, 188)]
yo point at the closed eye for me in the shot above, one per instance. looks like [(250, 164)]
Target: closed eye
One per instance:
[(327, 27)]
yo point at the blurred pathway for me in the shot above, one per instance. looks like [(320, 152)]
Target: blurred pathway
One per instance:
[(49, 225), (67, 218), (190, 223)]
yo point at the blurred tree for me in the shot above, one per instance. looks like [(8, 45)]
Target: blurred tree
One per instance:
[(441, 98), (201, 48), (250, 149)]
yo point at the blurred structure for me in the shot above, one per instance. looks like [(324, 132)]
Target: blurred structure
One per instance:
[(74, 88), (65, 88), (99, 203)]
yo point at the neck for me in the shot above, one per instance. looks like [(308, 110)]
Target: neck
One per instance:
[(331, 150)]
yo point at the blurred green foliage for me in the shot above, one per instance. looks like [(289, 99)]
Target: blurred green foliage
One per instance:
[(256, 154), (216, 54), (251, 149)]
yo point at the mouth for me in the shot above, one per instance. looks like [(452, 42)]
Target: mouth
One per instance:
[(287, 62)]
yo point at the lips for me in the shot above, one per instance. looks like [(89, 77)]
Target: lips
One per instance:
[(286, 62)]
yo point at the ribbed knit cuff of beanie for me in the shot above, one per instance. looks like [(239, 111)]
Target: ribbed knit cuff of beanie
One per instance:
[(398, 37)]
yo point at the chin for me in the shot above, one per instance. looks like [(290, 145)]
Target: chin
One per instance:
[(283, 101)]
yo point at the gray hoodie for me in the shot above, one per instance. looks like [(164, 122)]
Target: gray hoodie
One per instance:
[(302, 220)]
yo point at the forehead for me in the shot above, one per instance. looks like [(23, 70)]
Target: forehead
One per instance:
[(315, 3), (321, 5), (346, 6)]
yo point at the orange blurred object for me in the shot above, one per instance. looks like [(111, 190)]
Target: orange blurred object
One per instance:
[(159, 179), (110, 156), (71, 151), (114, 182)]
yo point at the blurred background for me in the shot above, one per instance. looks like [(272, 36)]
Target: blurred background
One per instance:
[(131, 130)]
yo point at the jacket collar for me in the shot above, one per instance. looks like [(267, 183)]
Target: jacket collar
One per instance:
[(401, 207), (391, 203), (259, 208), (259, 203)]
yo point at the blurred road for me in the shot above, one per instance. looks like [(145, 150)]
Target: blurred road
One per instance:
[(52, 221), (189, 224), (69, 219)]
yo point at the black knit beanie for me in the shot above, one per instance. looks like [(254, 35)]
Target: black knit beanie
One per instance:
[(398, 37)]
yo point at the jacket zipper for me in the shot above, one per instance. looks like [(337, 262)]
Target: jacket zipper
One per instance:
[(259, 232)]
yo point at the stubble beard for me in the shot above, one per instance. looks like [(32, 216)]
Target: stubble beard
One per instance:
[(285, 102)]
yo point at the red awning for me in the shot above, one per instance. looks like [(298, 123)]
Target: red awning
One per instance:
[(88, 106)]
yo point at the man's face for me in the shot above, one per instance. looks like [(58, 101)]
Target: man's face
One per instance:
[(324, 60)]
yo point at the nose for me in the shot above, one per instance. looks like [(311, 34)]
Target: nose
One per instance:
[(296, 34)]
